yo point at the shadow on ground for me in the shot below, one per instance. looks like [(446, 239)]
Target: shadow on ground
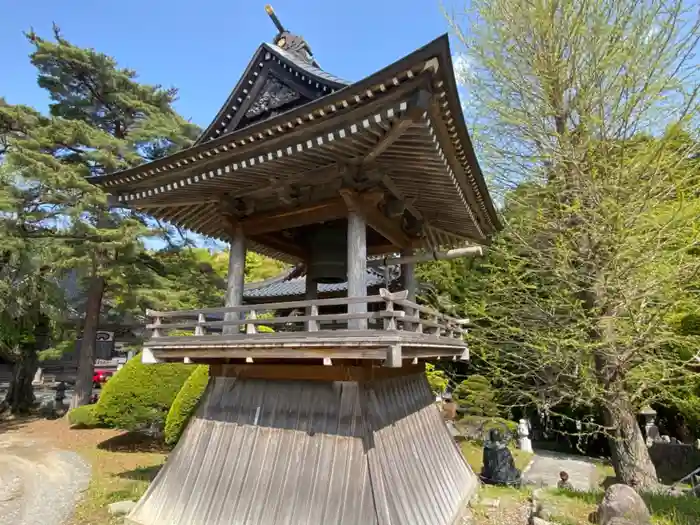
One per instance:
[(141, 473), (14, 423), (133, 442)]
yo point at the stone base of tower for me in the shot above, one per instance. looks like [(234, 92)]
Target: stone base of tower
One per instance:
[(271, 451)]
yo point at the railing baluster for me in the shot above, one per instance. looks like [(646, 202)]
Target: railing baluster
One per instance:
[(436, 319), (156, 331), (390, 320), (312, 324), (418, 325), (250, 328), (200, 329)]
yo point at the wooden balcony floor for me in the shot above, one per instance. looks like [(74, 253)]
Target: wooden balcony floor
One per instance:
[(338, 344)]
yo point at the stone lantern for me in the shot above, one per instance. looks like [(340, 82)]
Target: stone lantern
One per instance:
[(651, 431)]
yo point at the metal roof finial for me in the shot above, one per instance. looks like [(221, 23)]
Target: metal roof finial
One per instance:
[(290, 42), (271, 13)]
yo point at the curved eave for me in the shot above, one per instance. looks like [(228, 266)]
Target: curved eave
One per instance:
[(431, 63), (464, 137)]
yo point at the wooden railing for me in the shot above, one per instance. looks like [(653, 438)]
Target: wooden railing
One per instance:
[(394, 312)]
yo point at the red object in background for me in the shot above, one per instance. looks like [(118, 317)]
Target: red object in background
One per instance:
[(101, 376)]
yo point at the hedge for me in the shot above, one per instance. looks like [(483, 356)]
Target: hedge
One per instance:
[(84, 417), (139, 396), (185, 404)]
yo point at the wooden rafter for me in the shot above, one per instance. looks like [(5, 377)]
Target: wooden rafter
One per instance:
[(397, 129), (418, 104)]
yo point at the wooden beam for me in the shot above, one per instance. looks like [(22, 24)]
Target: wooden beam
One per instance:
[(173, 204), (281, 245), (374, 218), (327, 210), (313, 372)]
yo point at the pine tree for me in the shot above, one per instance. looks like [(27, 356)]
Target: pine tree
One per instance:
[(101, 120)]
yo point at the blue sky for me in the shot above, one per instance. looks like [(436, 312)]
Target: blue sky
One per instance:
[(202, 47)]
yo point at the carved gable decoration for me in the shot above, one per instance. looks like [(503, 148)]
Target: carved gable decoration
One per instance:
[(276, 80), (273, 95)]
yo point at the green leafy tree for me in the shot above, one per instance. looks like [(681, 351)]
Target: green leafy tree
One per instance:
[(575, 304), (437, 379), (101, 120)]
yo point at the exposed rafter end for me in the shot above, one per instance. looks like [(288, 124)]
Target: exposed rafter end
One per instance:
[(432, 65)]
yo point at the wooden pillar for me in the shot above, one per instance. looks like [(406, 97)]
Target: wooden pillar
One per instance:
[(409, 283), (236, 278), (357, 267), (408, 276), (311, 294)]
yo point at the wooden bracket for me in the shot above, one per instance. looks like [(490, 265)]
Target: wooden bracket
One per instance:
[(394, 357), (367, 207)]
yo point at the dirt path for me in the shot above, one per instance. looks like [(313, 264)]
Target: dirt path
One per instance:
[(546, 466), (39, 484)]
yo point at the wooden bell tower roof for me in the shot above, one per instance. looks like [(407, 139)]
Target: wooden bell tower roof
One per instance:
[(295, 146)]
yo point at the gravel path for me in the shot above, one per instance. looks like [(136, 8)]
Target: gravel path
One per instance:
[(545, 467), (39, 485)]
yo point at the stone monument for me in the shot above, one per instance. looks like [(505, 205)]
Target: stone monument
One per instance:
[(524, 436)]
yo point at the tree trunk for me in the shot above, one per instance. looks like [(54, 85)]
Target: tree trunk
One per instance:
[(86, 358), (20, 395), (629, 453)]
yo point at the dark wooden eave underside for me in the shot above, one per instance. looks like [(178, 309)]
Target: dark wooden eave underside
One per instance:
[(428, 159)]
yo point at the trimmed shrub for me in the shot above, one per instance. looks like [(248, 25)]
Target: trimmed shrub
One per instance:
[(476, 397), (139, 396), (84, 417), (185, 404), (476, 428)]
